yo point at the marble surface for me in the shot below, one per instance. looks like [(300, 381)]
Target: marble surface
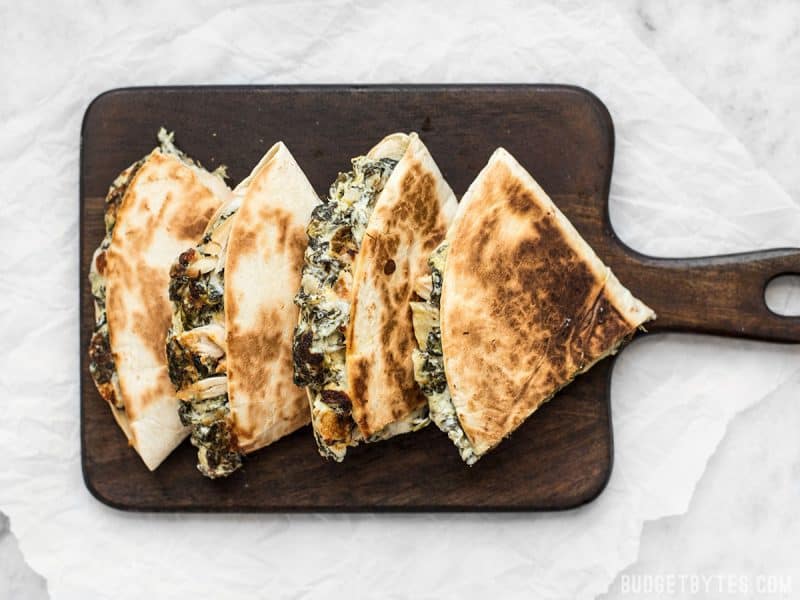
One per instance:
[(17, 580), (743, 60), (740, 523)]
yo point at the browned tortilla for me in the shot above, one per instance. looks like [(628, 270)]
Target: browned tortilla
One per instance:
[(526, 303), (262, 272), (165, 209), (409, 220)]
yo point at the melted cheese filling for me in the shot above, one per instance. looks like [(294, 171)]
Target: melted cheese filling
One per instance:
[(335, 233), (428, 360), (196, 348)]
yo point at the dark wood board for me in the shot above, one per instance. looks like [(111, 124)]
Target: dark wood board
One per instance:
[(562, 456)]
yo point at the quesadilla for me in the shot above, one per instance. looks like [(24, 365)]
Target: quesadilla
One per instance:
[(154, 208), (230, 345), (367, 243), (516, 305)]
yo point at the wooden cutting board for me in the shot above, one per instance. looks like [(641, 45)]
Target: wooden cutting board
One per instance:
[(562, 456)]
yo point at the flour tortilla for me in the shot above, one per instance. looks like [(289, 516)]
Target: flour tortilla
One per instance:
[(526, 304), (165, 209), (262, 273), (410, 218)]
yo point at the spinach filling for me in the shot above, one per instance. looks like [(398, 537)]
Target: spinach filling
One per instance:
[(209, 418), (197, 295), (428, 358), (335, 233), (196, 349), (101, 361)]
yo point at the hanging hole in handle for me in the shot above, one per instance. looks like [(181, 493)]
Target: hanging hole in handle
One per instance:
[(783, 295)]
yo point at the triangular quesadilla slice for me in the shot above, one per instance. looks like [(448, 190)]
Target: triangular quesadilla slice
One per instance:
[(516, 305), (230, 345), (154, 208), (367, 243)]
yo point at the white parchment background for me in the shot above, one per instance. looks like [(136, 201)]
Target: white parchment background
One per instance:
[(682, 186)]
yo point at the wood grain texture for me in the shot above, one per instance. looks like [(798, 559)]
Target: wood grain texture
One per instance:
[(562, 456)]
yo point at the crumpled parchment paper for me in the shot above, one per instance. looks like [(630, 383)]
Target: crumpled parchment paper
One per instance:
[(681, 186)]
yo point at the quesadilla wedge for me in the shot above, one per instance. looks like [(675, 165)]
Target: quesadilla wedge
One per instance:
[(230, 345), (154, 208), (516, 305), (367, 243)]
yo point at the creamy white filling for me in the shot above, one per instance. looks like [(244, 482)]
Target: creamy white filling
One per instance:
[(205, 401), (428, 361), (335, 235), (413, 421), (206, 408)]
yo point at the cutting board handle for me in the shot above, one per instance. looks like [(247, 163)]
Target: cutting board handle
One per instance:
[(720, 295)]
